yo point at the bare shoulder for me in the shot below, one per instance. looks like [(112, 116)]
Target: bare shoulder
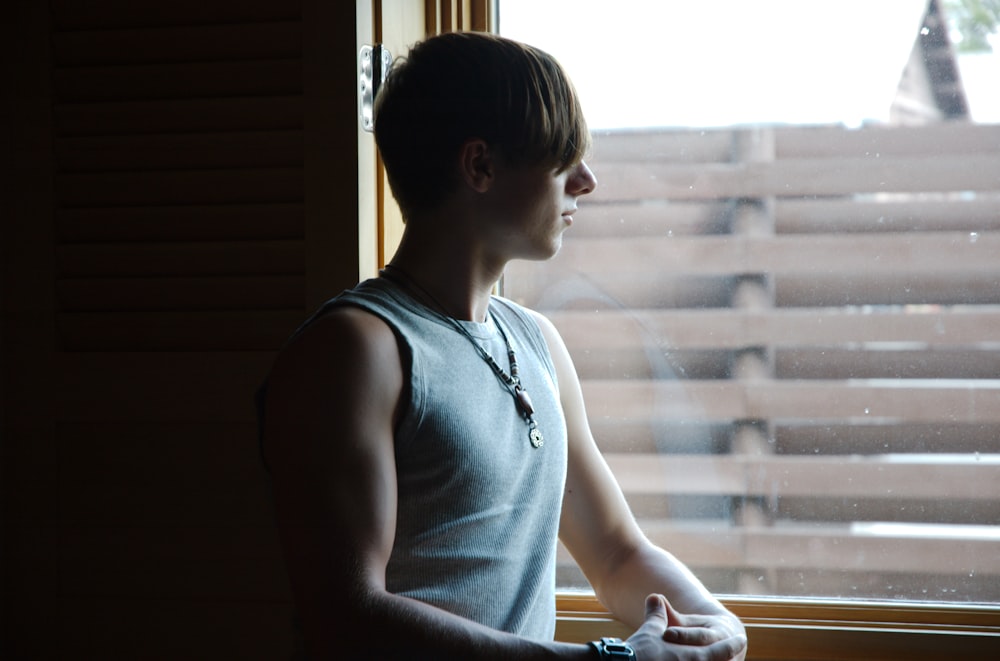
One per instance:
[(344, 339), (343, 371), (549, 331), (557, 348), (539, 317)]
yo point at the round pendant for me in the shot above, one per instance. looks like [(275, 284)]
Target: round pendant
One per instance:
[(535, 436)]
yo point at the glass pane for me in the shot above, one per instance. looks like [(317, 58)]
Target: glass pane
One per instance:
[(784, 297)]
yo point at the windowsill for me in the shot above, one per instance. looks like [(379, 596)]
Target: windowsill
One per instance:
[(825, 630)]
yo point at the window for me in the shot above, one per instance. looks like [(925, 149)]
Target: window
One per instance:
[(786, 323)]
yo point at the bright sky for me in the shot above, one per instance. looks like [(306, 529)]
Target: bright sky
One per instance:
[(692, 63)]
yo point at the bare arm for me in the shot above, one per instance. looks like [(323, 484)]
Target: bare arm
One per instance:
[(598, 528), (332, 403)]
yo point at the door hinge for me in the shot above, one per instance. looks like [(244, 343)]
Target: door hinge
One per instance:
[(373, 65)]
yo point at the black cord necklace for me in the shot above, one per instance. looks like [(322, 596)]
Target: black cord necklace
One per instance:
[(512, 381)]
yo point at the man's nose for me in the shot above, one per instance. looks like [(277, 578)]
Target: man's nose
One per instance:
[(582, 180)]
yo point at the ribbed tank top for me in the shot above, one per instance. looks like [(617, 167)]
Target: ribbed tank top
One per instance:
[(478, 507)]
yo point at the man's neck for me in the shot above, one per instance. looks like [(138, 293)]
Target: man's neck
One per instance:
[(449, 273)]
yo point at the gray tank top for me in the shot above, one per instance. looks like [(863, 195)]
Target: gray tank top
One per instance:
[(478, 507)]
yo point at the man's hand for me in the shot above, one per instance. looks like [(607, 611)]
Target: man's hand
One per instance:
[(699, 629), (672, 636)]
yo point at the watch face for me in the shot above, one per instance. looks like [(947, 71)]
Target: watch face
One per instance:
[(618, 650)]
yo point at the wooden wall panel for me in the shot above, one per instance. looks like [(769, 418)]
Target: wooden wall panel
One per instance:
[(179, 473), (180, 259), (171, 629), (68, 15), (163, 195), (177, 81), (117, 177), (231, 150), (234, 563), (274, 39), (280, 220), (259, 294), (29, 530), (950, 252), (178, 115), (800, 177)]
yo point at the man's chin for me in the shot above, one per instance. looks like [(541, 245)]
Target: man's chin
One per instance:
[(541, 253), (546, 255)]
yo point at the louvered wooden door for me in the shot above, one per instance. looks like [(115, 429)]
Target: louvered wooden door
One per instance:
[(196, 171)]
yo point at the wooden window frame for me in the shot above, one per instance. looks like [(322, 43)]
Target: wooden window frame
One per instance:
[(824, 630)]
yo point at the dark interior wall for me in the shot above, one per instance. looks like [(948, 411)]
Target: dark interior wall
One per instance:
[(180, 187)]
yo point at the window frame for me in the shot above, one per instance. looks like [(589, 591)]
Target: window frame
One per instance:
[(823, 630)]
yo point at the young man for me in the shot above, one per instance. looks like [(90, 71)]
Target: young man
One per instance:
[(420, 490)]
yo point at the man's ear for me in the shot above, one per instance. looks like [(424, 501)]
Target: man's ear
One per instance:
[(477, 165)]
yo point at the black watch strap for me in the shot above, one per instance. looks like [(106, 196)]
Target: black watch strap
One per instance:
[(612, 648)]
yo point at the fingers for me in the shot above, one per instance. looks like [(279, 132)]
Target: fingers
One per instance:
[(707, 641), (674, 617), (697, 630), (692, 635), (656, 612), (727, 649), (714, 642)]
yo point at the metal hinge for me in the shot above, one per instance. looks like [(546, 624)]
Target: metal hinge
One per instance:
[(373, 65)]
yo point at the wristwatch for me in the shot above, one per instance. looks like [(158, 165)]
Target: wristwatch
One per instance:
[(612, 648)]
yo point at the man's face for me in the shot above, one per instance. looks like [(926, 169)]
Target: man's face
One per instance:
[(535, 205)]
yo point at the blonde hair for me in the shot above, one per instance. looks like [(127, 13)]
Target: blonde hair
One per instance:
[(458, 86)]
